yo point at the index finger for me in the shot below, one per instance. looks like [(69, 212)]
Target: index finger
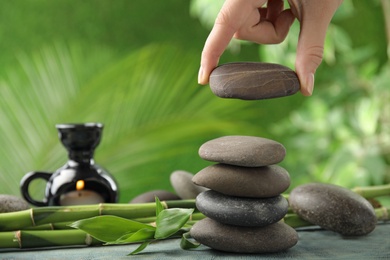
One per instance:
[(230, 18)]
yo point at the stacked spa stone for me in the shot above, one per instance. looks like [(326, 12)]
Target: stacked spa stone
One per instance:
[(244, 205)]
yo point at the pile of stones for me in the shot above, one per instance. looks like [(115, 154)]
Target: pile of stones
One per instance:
[(243, 206)]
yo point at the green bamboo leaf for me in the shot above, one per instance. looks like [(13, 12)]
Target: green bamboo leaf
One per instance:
[(141, 247), (169, 221), (159, 206), (138, 236), (186, 243), (109, 228)]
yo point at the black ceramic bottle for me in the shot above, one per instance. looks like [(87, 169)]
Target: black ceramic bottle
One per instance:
[(80, 181)]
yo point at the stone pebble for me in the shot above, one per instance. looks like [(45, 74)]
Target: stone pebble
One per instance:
[(150, 196), (253, 81), (255, 182), (10, 203), (181, 182), (334, 208), (247, 151), (268, 239), (241, 211)]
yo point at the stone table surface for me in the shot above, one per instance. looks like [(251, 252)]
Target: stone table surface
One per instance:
[(314, 243)]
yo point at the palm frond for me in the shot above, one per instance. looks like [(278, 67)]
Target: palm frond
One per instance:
[(155, 115)]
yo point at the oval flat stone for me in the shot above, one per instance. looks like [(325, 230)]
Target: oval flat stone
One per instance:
[(247, 151), (238, 211), (269, 239), (255, 182), (181, 182), (10, 203), (253, 81), (334, 208), (150, 196)]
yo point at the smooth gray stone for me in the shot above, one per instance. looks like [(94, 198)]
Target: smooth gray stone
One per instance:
[(150, 196), (269, 239), (181, 182), (255, 182), (10, 203), (253, 81), (238, 211), (334, 208), (248, 151)]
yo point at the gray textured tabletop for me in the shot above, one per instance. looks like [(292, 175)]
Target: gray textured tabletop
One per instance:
[(314, 243)]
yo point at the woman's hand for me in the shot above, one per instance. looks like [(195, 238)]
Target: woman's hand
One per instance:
[(250, 20)]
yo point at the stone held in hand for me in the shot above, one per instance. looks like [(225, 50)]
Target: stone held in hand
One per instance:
[(241, 211), (268, 239), (255, 182), (247, 151), (10, 203), (181, 182), (334, 208), (253, 81), (150, 196)]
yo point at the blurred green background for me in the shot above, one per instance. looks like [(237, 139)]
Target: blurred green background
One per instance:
[(132, 65)]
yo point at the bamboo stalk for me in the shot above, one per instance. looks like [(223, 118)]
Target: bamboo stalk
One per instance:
[(7, 240), (293, 220), (45, 215), (383, 213), (373, 191), (65, 225), (53, 238), (51, 226)]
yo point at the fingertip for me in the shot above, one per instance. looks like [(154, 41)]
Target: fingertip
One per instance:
[(202, 80), (307, 85)]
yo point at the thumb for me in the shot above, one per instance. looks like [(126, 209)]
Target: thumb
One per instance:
[(309, 56), (314, 24)]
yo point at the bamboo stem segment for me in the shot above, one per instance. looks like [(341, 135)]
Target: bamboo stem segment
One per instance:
[(53, 238), (373, 191), (45, 215)]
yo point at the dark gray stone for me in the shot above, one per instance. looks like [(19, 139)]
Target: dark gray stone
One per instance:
[(240, 211), (253, 81), (181, 182), (269, 239), (248, 151), (255, 182), (10, 203), (150, 196), (334, 208)]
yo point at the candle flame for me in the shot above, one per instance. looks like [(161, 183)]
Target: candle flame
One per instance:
[(79, 185)]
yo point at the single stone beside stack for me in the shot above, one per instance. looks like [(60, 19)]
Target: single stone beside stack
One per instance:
[(334, 208), (182, 184), (10, 203), (244, 201)]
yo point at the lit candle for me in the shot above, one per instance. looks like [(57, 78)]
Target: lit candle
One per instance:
[(80, 196)]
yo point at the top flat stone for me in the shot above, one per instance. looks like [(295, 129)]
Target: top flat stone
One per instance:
[(247, 151), (253, 81)]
